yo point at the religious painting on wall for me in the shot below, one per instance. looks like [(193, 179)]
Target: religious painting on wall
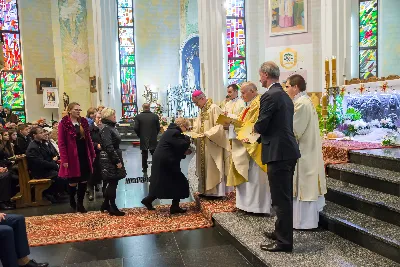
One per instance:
[(287, 17), (44, 82)]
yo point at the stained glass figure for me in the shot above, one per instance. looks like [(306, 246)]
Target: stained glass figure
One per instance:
[(236, 41), (127, 58), (11, 79), (368, 42)]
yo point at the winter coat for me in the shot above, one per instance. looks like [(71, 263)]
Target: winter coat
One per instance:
[(167, 180), (95, 134), (111, 154), (40, 160), (22, 144), (68, 148), (147, 127)]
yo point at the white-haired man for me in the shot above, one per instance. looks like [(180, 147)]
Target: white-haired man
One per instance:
[(247, 171)]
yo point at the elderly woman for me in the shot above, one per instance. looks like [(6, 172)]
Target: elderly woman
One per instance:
[(167, 180), (110, 161)]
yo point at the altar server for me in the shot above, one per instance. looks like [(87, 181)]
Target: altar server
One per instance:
[(232, 109), (246, 170), (309, 183)]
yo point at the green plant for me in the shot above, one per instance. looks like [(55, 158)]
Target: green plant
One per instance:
[(352, 114)]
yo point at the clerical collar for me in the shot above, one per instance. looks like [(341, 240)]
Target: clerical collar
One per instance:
[(300, 94), (235, 99), (269, 87)]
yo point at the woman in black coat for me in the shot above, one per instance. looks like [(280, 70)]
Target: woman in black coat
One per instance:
[(110, 160), (95, 178), (167, 180)]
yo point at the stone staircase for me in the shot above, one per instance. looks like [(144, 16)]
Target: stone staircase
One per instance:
[(360, 224), (363, 201)]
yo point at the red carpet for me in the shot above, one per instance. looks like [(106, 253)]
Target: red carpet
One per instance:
[(77, 227), (335, 152), (209, 207)]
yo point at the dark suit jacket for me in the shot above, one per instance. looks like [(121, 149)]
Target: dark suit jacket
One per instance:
[(275, 124), (147, 127), (22, 144), (40, 161)]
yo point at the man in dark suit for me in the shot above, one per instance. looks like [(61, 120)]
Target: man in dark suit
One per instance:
[(280, 152), (147, 127), (14, 242)]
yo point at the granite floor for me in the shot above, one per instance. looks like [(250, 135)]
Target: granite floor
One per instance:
[(311, 248), (203, 247)]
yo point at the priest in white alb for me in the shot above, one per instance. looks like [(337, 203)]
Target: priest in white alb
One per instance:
[(232, 109), (309, 181), (247, 172), (210, 144)]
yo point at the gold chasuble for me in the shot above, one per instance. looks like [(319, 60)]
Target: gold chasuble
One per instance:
[(210, 149), (243, 152)]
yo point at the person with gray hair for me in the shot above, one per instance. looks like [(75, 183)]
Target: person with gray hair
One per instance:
[(280, 151), (110, 160), (167, 180), (247, 172), (147, 127)]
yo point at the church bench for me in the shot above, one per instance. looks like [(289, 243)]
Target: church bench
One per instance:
[(24, 197)]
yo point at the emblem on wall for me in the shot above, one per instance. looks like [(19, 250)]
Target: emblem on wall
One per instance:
[(288, 58)]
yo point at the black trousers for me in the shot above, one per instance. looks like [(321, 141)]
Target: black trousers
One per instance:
[(280, 176), (6, 191), (111, 191), (145, 156), (13, 240)]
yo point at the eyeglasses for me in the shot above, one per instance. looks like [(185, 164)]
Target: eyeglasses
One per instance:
[(77, 109)]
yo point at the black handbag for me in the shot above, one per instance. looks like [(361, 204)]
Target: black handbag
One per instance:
[(109, 171)]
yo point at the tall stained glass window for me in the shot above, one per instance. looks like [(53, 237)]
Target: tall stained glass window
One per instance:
[(368, 38), (12, 88), (236, 41), (127, 62)]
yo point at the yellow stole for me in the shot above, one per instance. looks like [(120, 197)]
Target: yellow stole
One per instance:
[(249, 117)]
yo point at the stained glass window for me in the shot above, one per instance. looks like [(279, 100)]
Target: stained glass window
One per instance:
[(368, 42), (127, 61), (12, 88), (236, 41)]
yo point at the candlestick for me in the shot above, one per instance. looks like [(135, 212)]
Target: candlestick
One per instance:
[(334, 80)]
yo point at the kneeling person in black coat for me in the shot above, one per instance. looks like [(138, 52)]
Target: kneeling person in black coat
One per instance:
[(167, 180)]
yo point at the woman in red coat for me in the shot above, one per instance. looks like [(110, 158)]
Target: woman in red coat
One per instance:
[(76, 153)]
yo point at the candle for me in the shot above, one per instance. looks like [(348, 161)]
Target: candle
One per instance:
[(334, 83), (327, 78)]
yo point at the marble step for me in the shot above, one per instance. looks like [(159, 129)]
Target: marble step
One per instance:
[(311, 248), (374, 178), (373, 203), (376, 235), (386, 158)]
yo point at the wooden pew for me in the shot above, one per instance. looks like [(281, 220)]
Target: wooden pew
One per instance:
[(24, 197)]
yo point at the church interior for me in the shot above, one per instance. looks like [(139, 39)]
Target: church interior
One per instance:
[(163, 57)]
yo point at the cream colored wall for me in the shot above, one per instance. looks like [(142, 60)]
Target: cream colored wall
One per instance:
[(37, 53)]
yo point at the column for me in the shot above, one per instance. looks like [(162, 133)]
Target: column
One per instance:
[(212, 32)]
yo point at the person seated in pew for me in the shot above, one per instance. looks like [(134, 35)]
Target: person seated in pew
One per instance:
[(6, 189), (14, 242), (23, 139), (42, 164), (6, 144), (50, 144)]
